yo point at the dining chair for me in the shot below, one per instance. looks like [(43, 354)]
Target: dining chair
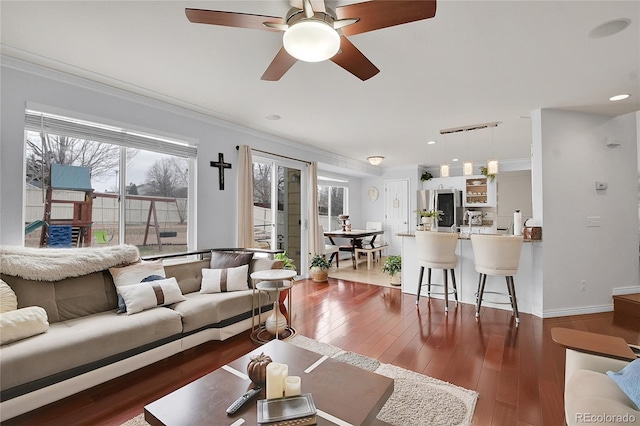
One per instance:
[(329, 249)]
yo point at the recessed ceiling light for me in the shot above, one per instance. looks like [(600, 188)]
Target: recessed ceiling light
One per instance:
[(609, 28), (273, 117), (431, 143), (455, 159), (619, 97)]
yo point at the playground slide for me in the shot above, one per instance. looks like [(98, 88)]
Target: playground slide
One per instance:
[(33, 226)]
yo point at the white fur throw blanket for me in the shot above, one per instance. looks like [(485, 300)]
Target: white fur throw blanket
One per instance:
[(50, 264)]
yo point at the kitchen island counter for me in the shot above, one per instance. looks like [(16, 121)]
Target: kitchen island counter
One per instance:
[(528, 280)]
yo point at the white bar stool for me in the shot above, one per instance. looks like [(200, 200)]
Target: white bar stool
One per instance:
[(497, 255), (437, 250)]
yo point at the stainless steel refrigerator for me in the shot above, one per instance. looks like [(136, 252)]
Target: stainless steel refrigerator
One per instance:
[(448, 201)]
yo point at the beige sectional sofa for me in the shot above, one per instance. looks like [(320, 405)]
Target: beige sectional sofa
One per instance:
[(88, 343)]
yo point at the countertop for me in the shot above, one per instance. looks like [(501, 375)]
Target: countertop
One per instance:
[(462, 237)]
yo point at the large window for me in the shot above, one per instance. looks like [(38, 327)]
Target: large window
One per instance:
[(90, 185), (332, 202)]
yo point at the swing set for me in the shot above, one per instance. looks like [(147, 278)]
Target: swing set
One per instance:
[(102, 236)]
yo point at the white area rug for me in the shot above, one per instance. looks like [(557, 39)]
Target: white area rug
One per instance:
[(417, 400)]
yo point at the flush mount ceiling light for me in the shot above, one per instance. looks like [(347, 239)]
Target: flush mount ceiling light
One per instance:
[(375, 160), (619, 97), (609, 28), (311, 40)]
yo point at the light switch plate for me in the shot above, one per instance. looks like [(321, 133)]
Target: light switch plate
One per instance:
[(593, 221)]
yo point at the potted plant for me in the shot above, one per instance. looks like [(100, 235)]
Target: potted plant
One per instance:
[(393, 266), (485, 172), (430, 217), (287, 263), (426, 176), (286, 260), (319, 270)]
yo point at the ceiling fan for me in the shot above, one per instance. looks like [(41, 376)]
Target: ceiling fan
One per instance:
[(314, 32)]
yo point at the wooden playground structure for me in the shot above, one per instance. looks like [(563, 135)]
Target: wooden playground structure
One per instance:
[(77, 231)]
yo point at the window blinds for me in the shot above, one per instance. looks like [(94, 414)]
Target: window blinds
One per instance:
[(70, 127)]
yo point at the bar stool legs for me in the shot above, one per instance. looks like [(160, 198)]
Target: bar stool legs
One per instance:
[(445, 285), (510, 288)]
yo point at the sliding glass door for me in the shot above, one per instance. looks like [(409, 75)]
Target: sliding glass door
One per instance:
[(277, 206)]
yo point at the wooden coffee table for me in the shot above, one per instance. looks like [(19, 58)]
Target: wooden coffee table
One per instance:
[(348, 393)]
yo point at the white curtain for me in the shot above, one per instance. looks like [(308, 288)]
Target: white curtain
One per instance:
[(316, 246), (245, 197)]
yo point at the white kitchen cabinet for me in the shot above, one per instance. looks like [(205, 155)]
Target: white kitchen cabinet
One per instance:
[(479, 191)]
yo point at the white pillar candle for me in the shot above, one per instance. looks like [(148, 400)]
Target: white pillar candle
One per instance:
[(285, 373), (274, 380), (292, 386)]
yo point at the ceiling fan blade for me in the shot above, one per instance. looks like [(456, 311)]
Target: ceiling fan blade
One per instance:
[(231, 19), (352, 60), (376, 14), (279, 66), (307, 8)]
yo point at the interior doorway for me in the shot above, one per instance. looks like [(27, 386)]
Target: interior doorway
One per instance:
[(396, 212)]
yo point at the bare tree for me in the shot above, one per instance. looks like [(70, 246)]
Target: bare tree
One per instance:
[(168, 177), (44, 149)]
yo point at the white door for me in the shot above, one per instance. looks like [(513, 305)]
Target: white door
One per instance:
[(396, 212)]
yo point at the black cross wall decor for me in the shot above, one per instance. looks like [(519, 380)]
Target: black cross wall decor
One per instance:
[(221, 165)]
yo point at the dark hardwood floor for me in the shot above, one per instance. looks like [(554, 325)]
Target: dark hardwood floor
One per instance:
[(518, 371)]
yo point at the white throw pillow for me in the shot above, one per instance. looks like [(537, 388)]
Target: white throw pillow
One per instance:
[(22, 323), (133, 274), (150, 294), (8, 299), (224, 280)]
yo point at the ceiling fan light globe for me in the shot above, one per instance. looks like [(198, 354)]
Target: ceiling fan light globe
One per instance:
[(311, 40)]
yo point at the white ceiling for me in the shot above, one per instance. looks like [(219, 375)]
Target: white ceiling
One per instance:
[(475, 62)]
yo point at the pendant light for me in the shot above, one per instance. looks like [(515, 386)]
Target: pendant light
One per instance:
[(444, 166), (467, 165), (492, 165)]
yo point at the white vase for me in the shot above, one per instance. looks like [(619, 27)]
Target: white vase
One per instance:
[(276, 322), (428, 223)]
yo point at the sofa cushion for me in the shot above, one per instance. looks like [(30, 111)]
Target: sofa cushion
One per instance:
[(629, 380), (22, 323), (224, 280), (188, 274), (80, 341), (8, 299), (69, 298), (589, 393), (150, 294), (200, 310)]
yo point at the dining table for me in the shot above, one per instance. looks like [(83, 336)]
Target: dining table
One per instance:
[(356, 236)]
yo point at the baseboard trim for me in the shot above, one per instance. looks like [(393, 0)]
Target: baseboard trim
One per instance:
[(626, 290), (596, 309)]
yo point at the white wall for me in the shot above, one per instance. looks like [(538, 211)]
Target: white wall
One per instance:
[(571, 154), (23, 83)]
